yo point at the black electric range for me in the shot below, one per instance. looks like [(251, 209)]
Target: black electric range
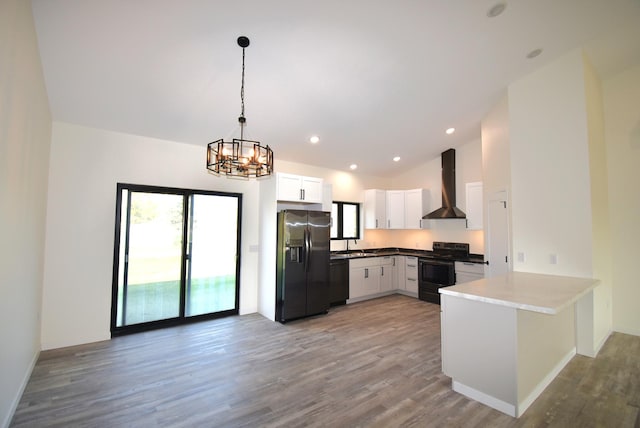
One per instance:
[(437, 269)]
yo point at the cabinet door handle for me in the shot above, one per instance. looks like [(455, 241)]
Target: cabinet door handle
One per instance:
[(376, 223), (366, 272), (389, 224), (411, 279), (381, 270)]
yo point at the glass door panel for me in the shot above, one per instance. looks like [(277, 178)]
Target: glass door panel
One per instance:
[(212, 254), (150, 286)]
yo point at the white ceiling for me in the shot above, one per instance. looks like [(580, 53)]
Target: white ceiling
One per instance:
[(372, 78)]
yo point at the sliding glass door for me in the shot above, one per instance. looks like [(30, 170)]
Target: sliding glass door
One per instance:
[(176, 256), (211, 287)]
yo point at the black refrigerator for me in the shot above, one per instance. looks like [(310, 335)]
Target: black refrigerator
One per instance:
[(302, 271)]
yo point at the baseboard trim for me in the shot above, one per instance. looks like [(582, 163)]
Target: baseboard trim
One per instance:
[(529, 399), (484, 398)]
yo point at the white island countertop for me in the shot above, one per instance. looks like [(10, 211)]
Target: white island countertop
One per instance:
[(547, 294)]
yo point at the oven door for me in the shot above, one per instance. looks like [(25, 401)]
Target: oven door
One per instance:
[(433, 274), (437, 272)]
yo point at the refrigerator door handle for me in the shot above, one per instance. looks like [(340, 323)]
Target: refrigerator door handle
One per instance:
[(307, 249)]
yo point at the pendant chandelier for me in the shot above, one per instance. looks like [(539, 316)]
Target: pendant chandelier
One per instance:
[(240, 157)]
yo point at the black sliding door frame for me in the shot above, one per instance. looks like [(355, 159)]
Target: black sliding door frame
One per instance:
[(188, 196)]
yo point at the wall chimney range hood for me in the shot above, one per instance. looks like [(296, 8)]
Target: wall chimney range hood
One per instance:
[(448, 209)]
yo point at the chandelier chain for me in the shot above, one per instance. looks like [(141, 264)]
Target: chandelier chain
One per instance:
[(242, 87)]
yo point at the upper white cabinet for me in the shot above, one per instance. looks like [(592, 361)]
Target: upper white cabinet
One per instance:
[(395, 209), (474, 205), (298, 188), (375, 209), (416, 205)]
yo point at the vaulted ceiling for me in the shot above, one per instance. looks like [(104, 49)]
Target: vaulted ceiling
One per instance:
[(373, 79)]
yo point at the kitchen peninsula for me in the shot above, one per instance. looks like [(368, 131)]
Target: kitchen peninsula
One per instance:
[(504, 339)]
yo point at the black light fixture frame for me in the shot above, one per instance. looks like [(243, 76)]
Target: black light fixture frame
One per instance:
[(240, 157)]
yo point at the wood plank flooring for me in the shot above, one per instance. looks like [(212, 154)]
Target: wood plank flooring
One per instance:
[(374, 363)]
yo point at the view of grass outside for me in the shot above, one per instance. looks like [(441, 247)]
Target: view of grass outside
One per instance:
[(157, 300), (155, 258)]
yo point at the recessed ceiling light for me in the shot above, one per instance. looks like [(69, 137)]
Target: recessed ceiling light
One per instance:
[(496, 10), (396, 159), (353, 166), (450, 131), (534, 53), (314, 139)]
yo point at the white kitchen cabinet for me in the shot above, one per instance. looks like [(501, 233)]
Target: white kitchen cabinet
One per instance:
[(467, 272), (375, 209), (474, 207), (363, 281), (411, 274), (364, 277), (395, 209), (399, 273), (386, 273), (298, 188), (371, 277), (416, 204)]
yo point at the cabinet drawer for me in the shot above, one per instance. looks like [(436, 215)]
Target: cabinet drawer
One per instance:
[(365, 262), (411, 264), (473, 268), (386, 260)]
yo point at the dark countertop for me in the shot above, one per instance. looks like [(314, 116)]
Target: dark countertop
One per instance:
[(382, 252)]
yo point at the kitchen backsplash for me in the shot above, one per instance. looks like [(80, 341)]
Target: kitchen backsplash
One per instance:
[(415, 239)]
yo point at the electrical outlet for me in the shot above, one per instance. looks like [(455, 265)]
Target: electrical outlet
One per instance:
[(553, 259), (521, 257)]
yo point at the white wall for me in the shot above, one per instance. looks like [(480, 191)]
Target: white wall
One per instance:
[(559, 181), (551, 199), (496, 158), (601, 230), (85, 166), (25, 136), (621, 95), (268, 243)]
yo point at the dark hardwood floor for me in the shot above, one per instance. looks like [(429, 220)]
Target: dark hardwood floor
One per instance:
[(375, 363)]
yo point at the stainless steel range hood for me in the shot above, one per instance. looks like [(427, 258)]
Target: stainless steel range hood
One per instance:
[(448, 209)]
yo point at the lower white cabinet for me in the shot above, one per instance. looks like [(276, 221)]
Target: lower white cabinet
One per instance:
[(364, 277), (411, 273), (386, 273), (467, 272), (370, 276), (376, 276), (400, 277)]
